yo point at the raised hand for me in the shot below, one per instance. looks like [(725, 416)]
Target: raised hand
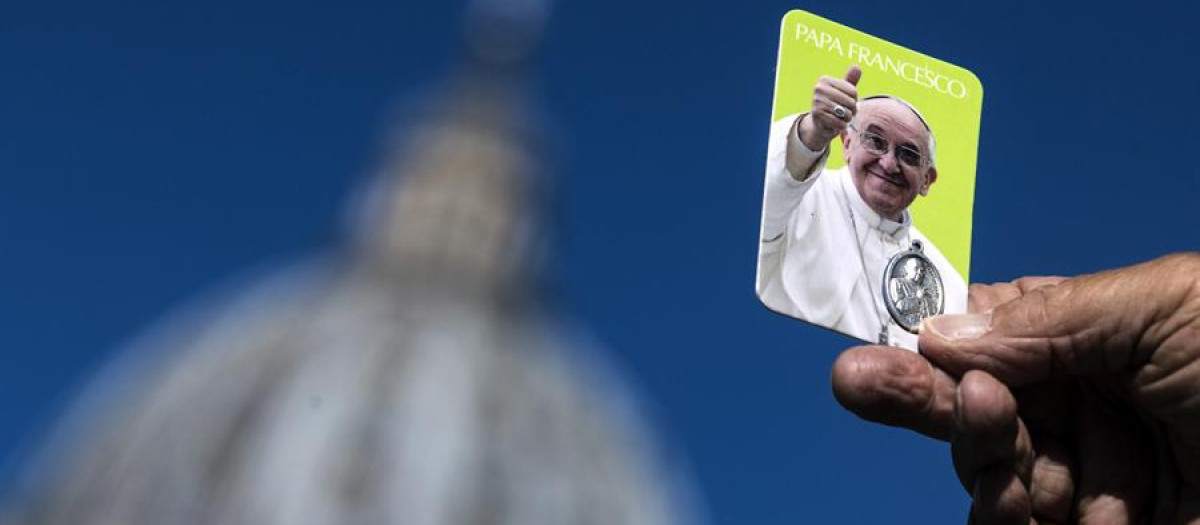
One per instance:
[(835, 100)]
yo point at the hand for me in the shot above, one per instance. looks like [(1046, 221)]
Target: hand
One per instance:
[(818, 128), (1065, 401)]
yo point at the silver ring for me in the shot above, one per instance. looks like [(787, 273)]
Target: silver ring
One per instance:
[(840, 112)]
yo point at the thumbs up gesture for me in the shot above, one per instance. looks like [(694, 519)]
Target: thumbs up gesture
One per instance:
[(835, 100)]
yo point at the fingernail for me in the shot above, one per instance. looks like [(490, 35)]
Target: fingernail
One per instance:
[(965, 326)]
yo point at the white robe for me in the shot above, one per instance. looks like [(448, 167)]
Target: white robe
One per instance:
[(809, 263)]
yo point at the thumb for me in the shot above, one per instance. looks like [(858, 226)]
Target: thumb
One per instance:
[(853, 74), (1104, 323)]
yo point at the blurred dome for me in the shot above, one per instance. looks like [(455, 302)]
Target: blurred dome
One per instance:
[(412, 377)]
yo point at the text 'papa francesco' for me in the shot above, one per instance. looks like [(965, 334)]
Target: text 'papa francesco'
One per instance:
[(867, 58)]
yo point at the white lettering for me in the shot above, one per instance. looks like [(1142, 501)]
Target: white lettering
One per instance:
[(819, 39), (957, 93), (923, 76)]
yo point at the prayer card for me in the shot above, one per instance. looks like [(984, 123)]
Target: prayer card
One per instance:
[(869, 184)]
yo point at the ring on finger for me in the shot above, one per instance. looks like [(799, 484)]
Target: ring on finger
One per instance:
[(840, 112)]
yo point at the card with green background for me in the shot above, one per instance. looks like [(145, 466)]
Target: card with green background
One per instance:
[(811, 265), (949, 97)]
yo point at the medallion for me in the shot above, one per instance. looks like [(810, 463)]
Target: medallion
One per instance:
[(912, 288)]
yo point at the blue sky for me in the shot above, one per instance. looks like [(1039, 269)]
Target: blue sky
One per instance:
[(151, 151)]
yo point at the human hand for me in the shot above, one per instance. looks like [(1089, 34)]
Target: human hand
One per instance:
[(1065, 401), (818, 128)]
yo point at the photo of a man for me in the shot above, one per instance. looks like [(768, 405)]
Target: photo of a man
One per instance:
[(828, 235)]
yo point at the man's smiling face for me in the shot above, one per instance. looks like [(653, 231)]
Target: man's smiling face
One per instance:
[(885, 182)]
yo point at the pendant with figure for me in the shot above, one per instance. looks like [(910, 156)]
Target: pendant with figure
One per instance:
[(912, 288)]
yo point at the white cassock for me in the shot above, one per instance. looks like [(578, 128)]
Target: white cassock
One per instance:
[(823, 251)]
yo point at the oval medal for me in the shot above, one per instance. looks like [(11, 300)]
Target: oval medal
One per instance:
[(912, 288)]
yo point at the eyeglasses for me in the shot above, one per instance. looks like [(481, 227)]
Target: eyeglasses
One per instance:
[(876, 144)]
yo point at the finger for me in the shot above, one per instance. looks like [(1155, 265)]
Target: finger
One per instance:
[(827, 84), (1052, 485), (854, 74), (1102, 323), (1028, 284), (827, 98), (834, 100), (830, 97), (895, 387), (1116, 480), (1000, 498), (987, 432), (985, 297), (992, 451), (840, 87), (828, 110), (1046, 411)]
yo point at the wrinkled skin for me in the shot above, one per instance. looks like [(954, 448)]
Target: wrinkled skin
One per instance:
[(1064, 400)]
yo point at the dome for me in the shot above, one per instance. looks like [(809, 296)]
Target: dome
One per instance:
[(411, 376)]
